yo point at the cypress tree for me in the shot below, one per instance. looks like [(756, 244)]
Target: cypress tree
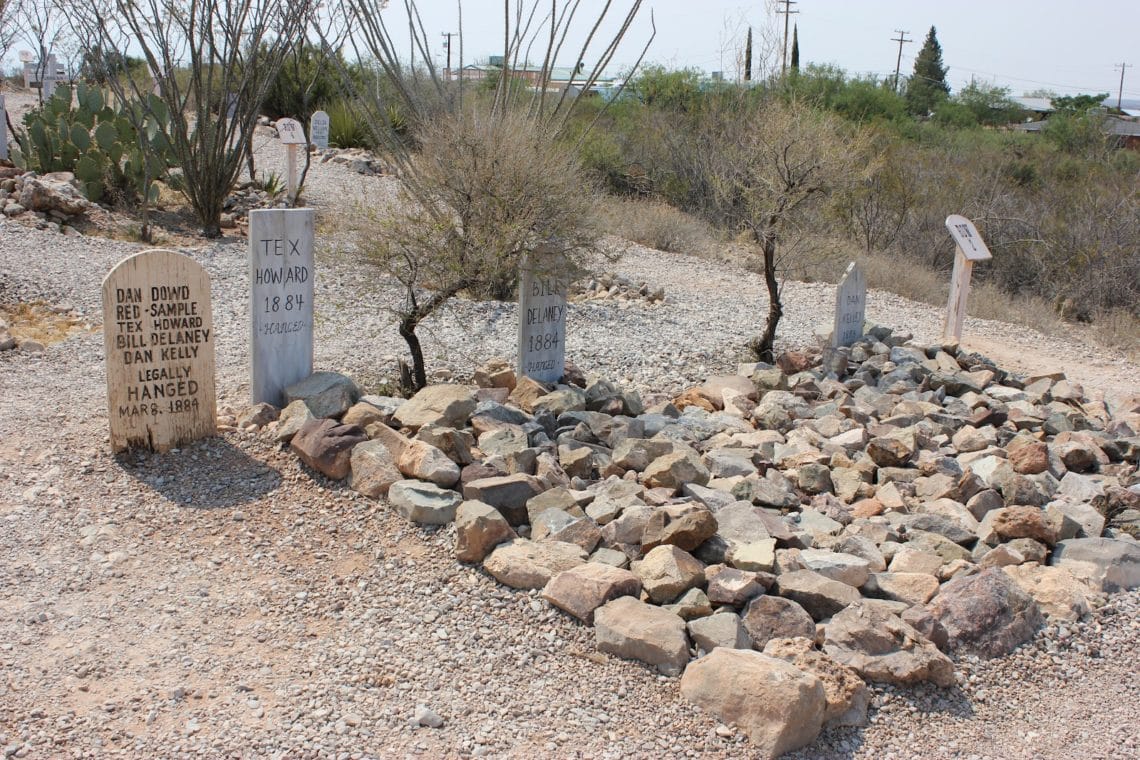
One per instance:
[(927, 86), (748, 57), (796, 48)]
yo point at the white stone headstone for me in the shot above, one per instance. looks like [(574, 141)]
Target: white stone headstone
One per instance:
[(231, 104), (850, 307), (3, 130), (319, 129), (281, 301), (542, 320), (159, 342)]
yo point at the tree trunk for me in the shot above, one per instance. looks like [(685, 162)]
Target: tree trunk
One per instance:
[(408, 332), (762, 346)]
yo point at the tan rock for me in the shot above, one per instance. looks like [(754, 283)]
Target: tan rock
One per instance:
[(630, 628), (1057, 592), (479, 528), (527, 391), (1030, 459), (425, 462), (674, 470), (527, 564), (880, 647), (373, 469), (446, 405), (582, 589), (847, 695), (778, 706), (667, 572), (912, 588)]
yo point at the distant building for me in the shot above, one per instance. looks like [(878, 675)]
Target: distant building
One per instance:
[(560, 77), (1126, 130)]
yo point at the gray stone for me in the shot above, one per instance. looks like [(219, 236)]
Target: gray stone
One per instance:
[(327, 394), (723, 629), (986, 614), (820, 596), (1106, 564), (629, 628), (424, 503)]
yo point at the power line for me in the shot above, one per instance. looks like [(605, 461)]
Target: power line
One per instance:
[(787, 13), (898, 62)]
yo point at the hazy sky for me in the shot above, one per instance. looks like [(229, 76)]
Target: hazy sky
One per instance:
[(1022, 44)]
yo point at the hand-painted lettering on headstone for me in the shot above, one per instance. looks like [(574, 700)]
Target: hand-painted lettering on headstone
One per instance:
[(159, 342), (850, 307), (281, 301), (542, 320), (319, 129)]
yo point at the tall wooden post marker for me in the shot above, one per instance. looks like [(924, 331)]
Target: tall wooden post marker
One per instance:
[(970, 248)]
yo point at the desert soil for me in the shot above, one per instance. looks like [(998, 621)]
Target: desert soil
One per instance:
[(220, 601)]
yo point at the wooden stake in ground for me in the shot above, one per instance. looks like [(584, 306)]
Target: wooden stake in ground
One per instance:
[(970, 248), (281, 301), (159, 342), (291, 134)]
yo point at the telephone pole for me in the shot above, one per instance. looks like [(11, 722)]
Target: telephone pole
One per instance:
[(1120, 92), (787, 13), (447, 44), (898, 61)]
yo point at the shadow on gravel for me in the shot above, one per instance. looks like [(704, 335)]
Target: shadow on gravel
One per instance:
[(902, 707), (206, 474)]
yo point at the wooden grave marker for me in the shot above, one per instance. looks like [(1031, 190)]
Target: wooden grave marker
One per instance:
[(319, 129), (850, 307), (158, 335), (291, 134), (281, 301), (542, 321), (970, 248)]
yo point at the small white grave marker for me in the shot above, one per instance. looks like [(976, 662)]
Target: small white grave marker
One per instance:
[(970, 248), (542, 321), (3, 129), (158, 336), (850, 307), (291, 134), (319, 129), (281, 301)]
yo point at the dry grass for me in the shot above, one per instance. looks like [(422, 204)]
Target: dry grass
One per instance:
[(657, 225)]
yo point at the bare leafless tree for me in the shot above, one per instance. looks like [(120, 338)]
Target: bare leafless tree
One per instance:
[(199, 52), (478, 196)]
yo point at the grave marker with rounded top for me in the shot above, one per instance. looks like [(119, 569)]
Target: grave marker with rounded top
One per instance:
[(970, 248), (850, 307), (542, 319), (319, 129), (158, 335), (3, 129), (281, 301), (291, 134)]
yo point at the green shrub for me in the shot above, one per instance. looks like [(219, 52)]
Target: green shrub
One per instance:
[(346, 128)]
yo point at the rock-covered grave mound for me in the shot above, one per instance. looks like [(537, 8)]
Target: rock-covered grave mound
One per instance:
[(780, 536)]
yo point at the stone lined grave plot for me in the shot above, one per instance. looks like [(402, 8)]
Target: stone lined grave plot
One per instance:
[(159, 342), (778, 538)]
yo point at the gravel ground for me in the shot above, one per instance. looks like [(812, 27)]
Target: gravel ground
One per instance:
[(219, 601)]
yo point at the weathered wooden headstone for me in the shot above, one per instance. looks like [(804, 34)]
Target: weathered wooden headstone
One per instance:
[(3, 129), (319, 129), (159, 340), (291, 134), (281, 301), (970, 248), (850, 307), (49, 76), (542, 320)]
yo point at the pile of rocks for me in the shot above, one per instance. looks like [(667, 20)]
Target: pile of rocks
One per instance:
[(799, 529), (52, 200), (615, 287), (357, 159), (246, 197)]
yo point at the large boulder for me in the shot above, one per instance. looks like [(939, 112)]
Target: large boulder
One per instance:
[(373, 469), (425, 462), (529, 564), (630, 628), (780, 707), (47, 194), (1106, 564), (986, 614), (880, 647), (847, 695), (479, 528), (424, 503), (582, 589), (446, 405), (1056, 591), (326, 446), (327, 394), (506, 493)]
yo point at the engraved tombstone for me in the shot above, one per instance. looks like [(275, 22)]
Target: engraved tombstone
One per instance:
[(281, 301), (3, 130), (542, 321), (969, 248), (319, 129), (159, 340), (850, 307)]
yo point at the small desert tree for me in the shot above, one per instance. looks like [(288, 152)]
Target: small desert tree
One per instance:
[(485, 180), (199, 52), (762, 167)]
